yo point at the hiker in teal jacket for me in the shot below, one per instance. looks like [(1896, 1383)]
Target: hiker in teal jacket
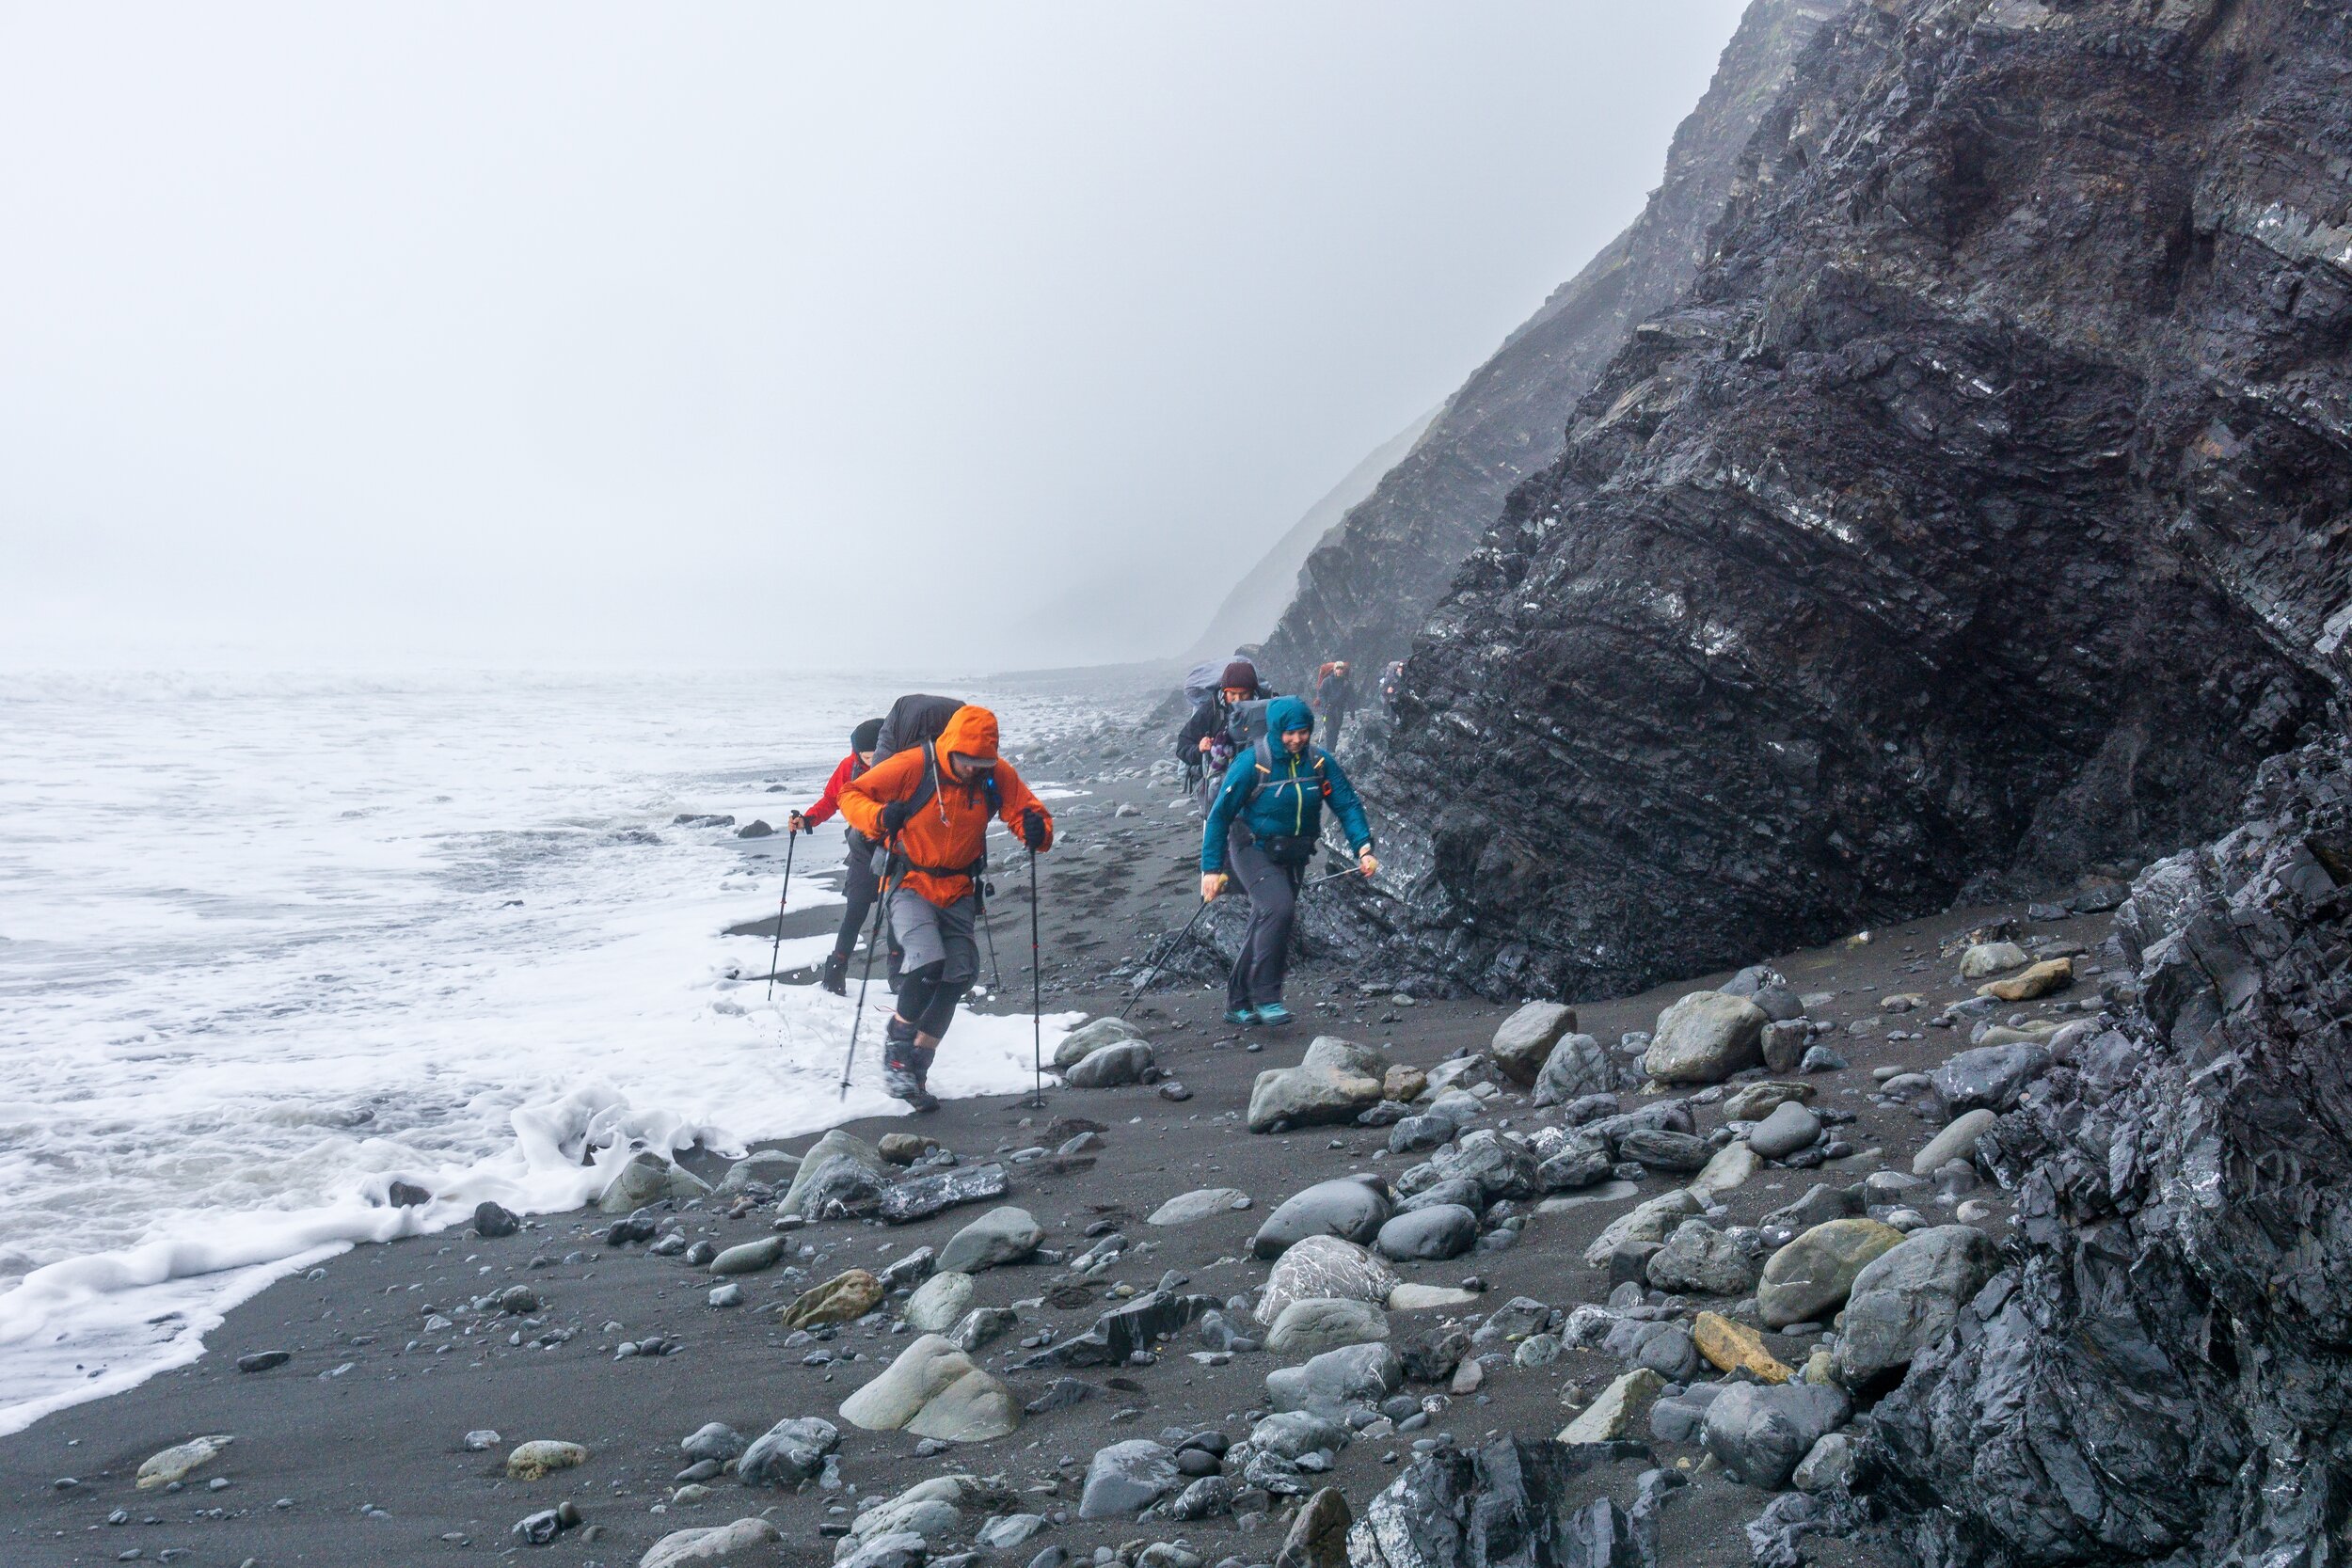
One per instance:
[(1264, 825)]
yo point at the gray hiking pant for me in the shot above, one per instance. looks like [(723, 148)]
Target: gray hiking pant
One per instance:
[(1265, 946), (939, 956), (858, 885)]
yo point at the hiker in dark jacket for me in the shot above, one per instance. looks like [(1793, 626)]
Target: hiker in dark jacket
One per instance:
[(1203, 742), (1264, 828), (1335, 699), (858, 881)]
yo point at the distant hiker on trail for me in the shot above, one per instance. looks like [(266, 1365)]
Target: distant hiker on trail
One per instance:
[(1335, 699), (1204, 742), (857, 870), (930, 806), (1266, 824), (1391, 682)]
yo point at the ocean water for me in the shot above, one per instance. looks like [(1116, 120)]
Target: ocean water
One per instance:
[(268, 943)]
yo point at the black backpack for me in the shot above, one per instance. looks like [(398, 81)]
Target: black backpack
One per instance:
[(912, 720), (1245, 724)]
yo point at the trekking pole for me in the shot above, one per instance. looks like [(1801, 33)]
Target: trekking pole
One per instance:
[(1167, 953), (1037, 997), (993, 968), (873, 940), (791, 840)]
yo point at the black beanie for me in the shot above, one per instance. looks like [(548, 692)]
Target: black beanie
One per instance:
[(865, 736), (1241, 673)]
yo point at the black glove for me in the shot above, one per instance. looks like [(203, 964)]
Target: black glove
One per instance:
[(1033, 829), (894, 814)]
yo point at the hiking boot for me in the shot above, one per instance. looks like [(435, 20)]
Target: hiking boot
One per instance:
[(906, 1086), (903, 1066), (837, 976), (1274, 1015), (1242, 1018)]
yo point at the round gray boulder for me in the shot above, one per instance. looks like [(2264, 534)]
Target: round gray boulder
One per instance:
[(1348, 1208), (1443, 1230)]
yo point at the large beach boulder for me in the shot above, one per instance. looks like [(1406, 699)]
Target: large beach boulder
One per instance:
[(1312, 1326), (1351, 1208), (1005, 1235), (1433, 1234), (647, 1177), (1706, 1037), (1809, 1278), (1329, 1383), (1499, 1163), (1336, 1081), (1989, 1077), (1700, 1259), (835, 1145), (1579, 1065), (1324, 1267), (1091, 1037), (791, 1451), (745, 1540), (1523, 1042), (933, 1390), (1649, 1221), (939, 1303), (1108, 1066), (1758, 1433), (1124, 1478), (1909, 1297)]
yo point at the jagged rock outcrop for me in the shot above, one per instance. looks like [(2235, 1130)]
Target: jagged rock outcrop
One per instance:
[(2164, 1369), (1975, 521), (1369, 584)]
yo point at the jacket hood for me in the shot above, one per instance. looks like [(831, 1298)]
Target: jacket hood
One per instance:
[(1284, 714), (971, 731)]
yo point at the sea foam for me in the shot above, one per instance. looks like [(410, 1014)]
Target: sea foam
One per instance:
[(266, 946)]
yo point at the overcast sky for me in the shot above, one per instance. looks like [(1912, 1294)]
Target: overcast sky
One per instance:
[(972, 334)]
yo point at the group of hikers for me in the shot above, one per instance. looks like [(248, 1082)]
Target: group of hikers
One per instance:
[(921, 784)]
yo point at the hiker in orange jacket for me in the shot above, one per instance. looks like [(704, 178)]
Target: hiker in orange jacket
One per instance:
[(932, 806)]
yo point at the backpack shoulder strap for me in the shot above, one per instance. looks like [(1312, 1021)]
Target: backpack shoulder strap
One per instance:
[(1261, 759), (930, 785)]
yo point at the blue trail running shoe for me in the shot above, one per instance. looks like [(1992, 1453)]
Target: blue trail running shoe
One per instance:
[(1273, 1014), (1241, 1018)]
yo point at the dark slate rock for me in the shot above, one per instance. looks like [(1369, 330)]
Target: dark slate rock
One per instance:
[(787, 1453), (1144, 1323), (1513, 1504), (920, 1198), (1660, 1150), (1989, 1077)]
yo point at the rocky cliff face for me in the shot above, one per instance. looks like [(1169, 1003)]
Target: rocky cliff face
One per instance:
[(2166, 1366), (1367, 586), (1977, 520)]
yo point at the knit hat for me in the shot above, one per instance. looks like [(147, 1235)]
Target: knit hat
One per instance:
[(1241, 673), (864, 738)]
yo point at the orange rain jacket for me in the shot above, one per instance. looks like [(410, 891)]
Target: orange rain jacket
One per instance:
[(950, 829)]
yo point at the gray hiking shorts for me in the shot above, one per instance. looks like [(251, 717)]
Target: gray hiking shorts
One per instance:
[(929, 935)]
